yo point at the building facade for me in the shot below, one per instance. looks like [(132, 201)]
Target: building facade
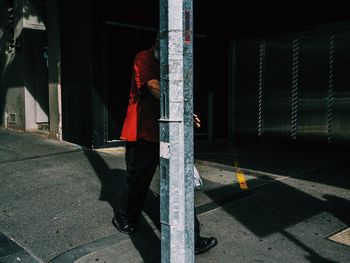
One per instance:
[(268, 71)]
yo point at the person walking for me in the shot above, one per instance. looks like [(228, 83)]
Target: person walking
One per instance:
[(141, 133)]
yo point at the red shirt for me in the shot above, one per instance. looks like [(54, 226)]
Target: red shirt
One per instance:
[(141, 121)]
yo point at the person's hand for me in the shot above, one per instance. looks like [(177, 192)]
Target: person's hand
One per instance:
[(196, 120)]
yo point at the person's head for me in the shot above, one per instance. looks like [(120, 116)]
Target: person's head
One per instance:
[(156, 47)]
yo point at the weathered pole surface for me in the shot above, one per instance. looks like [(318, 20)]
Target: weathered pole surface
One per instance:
[(176, 131)]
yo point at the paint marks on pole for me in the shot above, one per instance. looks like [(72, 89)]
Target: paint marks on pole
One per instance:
[(187, 27), (164, 150)]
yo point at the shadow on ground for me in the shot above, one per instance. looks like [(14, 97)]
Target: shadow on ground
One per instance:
[(274, 208), (112, 181)]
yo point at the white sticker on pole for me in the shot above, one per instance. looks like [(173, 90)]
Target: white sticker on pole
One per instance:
[(164, 150)]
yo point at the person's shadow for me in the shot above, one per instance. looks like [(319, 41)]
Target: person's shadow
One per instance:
[(145, 239), (112, 181)]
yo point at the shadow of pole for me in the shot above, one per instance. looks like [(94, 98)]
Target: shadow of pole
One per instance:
[(147, 242)]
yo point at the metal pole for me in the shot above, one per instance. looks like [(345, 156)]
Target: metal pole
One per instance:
[(176, 131)]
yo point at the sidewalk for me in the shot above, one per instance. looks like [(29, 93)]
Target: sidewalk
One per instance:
[(56, 197)]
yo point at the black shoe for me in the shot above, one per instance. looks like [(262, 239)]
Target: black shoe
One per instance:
[(203, 244), (123, 226)]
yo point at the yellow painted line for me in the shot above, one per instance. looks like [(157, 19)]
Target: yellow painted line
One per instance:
[(242, 181), (241, 178)]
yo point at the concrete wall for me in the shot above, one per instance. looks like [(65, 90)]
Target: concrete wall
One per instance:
[(54, 70), (12, 71), (23, 82)]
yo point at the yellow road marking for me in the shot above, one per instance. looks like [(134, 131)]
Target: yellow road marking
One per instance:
[(240, 177), (241, 180)]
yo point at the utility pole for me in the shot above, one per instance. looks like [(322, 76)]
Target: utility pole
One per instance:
[(176, 131)]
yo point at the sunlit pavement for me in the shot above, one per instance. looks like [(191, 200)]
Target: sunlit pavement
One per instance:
[(56, 197)]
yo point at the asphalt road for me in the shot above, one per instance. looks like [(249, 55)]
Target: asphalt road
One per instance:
[(56, 203)]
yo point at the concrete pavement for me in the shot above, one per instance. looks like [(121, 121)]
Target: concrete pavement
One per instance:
[(56, 203)]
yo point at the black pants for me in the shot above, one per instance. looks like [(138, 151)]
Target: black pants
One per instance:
[(142, 159)]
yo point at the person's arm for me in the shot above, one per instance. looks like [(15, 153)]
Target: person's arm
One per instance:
[(153, 86)]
